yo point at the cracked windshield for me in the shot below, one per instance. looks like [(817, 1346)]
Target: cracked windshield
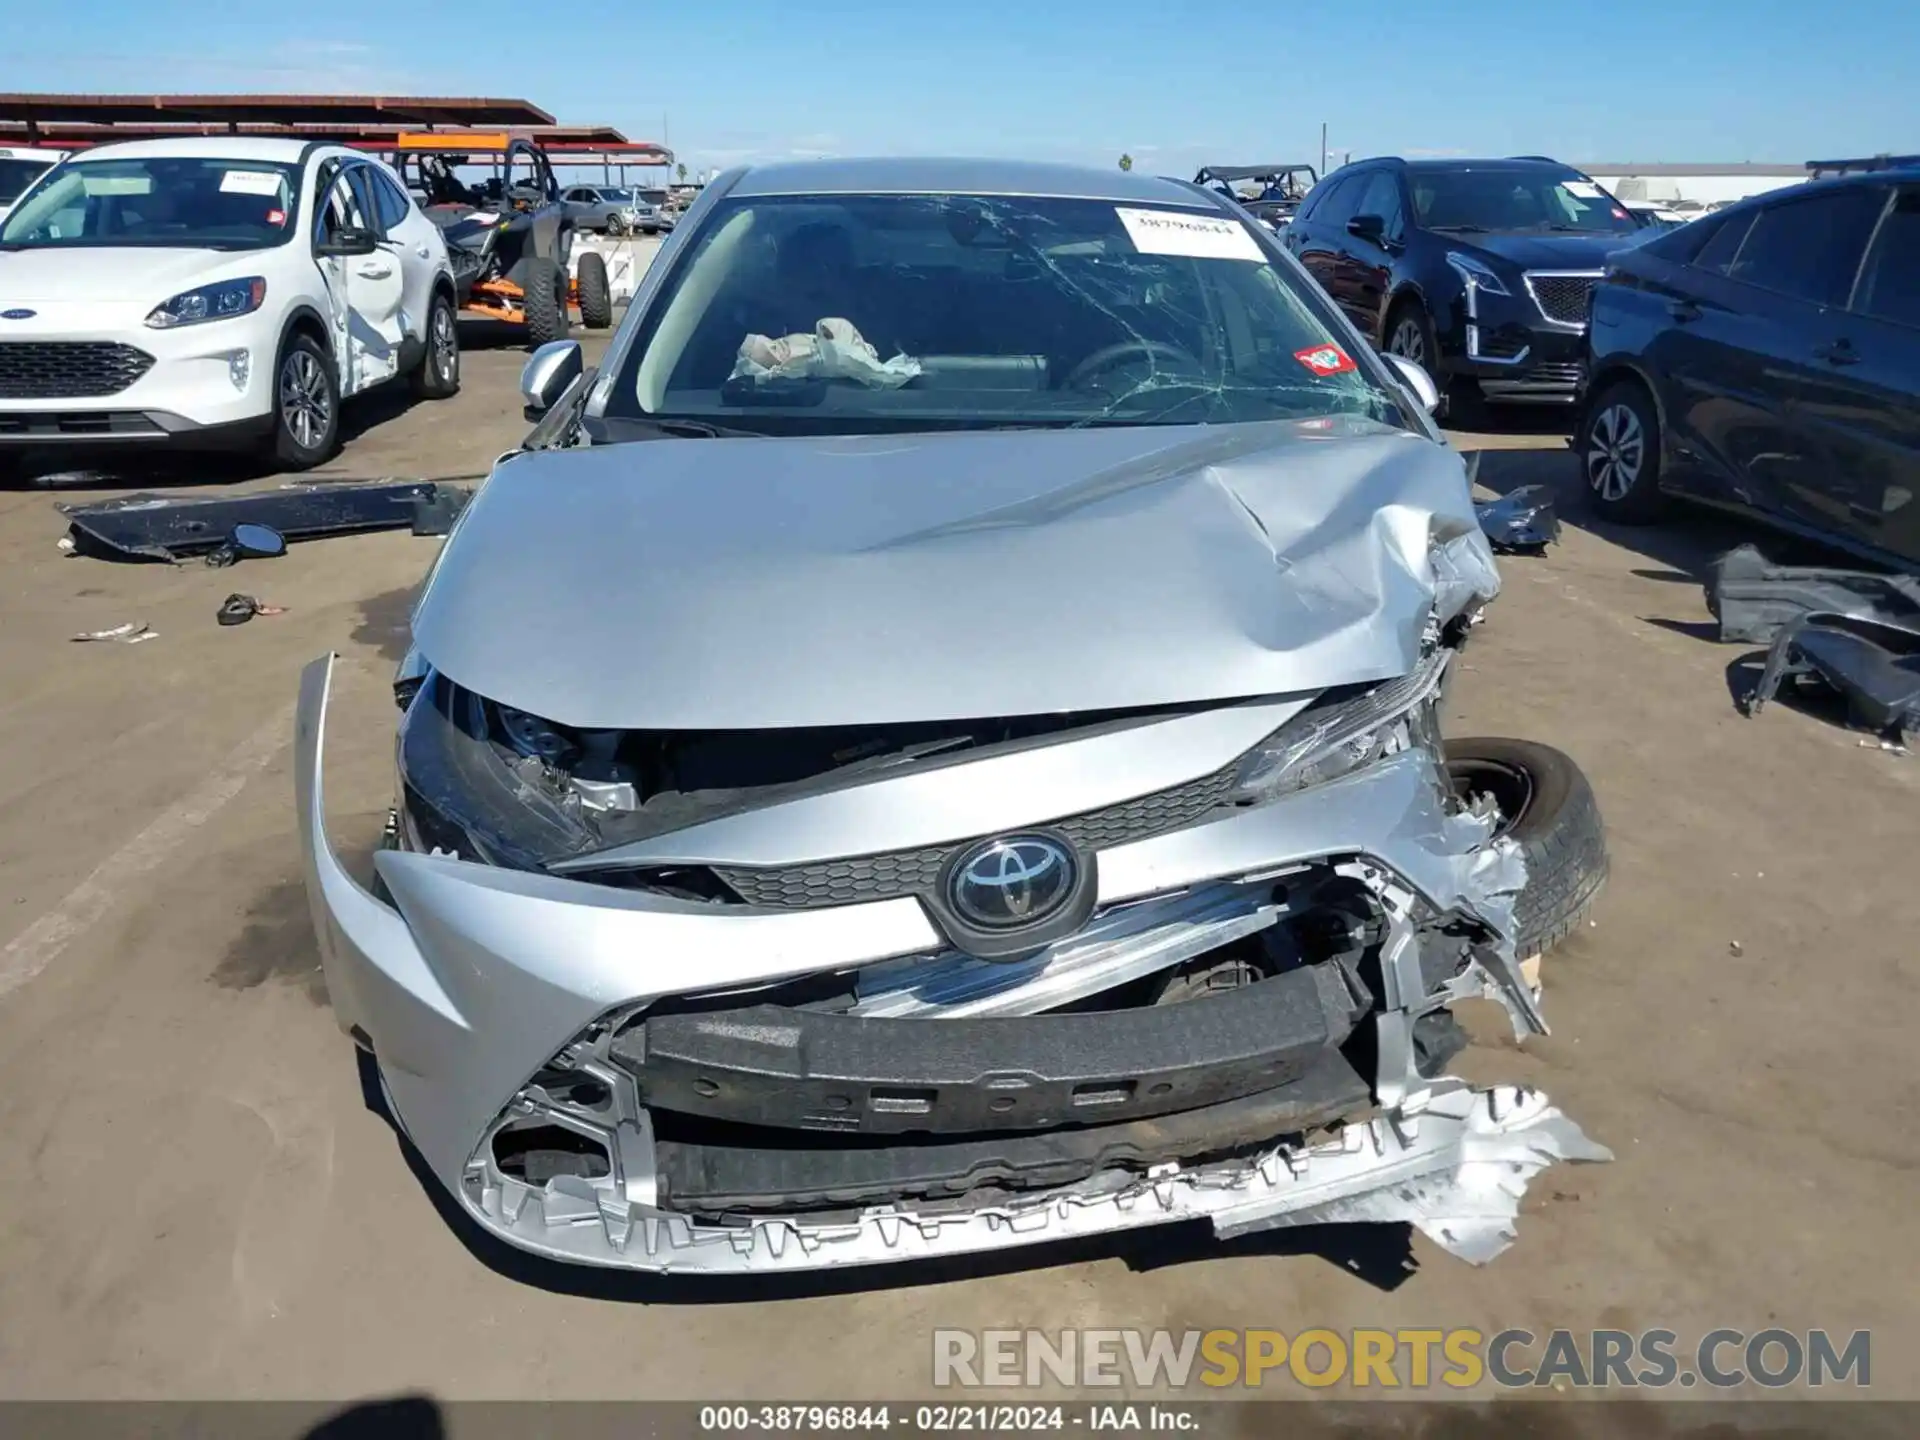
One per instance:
[(863, 313)]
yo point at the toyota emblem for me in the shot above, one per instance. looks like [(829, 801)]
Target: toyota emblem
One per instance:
[(1012, 881)]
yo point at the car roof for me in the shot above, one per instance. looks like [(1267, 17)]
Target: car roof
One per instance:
[(1904, 175), (960, 177), (212, 147), (1510, 163)]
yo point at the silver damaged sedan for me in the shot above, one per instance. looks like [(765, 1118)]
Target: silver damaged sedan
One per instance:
[(932, 747)]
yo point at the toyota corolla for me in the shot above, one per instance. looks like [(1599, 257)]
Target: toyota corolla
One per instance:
[(933, 746)]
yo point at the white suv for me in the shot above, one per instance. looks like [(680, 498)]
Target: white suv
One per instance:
[(216, 291)]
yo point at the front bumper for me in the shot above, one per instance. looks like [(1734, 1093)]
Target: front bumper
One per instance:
[(1512, 350), (478, 987), (184, 392)]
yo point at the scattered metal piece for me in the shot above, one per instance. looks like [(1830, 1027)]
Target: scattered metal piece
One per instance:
[(157, 527), (238, 609), (1753, 599), (1521, 522), (1873, 664), (131, 633), (435, 514)]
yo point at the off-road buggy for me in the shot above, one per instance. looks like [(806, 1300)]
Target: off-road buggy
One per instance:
[(509, 238), (1282, 188)]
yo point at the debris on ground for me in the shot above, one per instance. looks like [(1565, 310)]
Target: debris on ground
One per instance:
[(1753, 599), (131, 633), (159, 527), (1521, 522), (1873, 664), (238, 609)]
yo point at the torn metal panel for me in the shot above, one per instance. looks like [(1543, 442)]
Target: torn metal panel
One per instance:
[(1753, 599), (1873, 664), (162, 527), (1521, 522)]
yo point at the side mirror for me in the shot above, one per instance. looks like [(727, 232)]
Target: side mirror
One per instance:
[(348, 241), (248, 541), (548, 373), (1371, 228), (1417, 380)]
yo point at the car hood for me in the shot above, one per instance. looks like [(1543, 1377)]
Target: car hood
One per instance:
[(751, 583), (118, 272), (1532, 250)]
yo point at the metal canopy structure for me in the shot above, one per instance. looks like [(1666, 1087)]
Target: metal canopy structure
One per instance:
[(37, 114), (366, 137)]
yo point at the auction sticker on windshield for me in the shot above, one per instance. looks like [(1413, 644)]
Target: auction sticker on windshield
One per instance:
[(1585, 189), (1176, 232), (251, 182)]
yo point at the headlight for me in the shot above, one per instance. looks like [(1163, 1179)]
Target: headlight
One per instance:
[(1477, 274), (1331, 738), (530, 735), (221, 301)]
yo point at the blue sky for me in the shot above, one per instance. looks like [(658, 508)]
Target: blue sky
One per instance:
[(1173, 82)]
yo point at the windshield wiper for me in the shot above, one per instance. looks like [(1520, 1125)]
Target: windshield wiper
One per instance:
[(1461, 229), (692, 429)]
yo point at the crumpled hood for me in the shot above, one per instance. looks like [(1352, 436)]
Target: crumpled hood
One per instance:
[(750, 583)]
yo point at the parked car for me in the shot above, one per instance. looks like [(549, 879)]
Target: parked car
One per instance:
[(1767, 358), (1478, 270), (216, 291), (1654, 216), (1017, 810), (20, 166), (604, 208)]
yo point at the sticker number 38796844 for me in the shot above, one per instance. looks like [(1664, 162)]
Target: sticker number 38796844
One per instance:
[(1182, 232)]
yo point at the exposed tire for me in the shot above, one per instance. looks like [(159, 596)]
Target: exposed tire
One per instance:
[(1548, 808), (1619, 449), (437, 376), (306, 404), (615, 226), (1409, 334), (546, 302), (596, 292)]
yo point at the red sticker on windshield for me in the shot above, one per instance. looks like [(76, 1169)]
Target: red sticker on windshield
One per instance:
[(276, 217), (1325, 359)]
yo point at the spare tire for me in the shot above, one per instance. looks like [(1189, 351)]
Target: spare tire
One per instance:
[(1547, 808), (596, 292)]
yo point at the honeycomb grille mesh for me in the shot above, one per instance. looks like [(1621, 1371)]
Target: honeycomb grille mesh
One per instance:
[(1562, 297), (895, 873), (68, 369)]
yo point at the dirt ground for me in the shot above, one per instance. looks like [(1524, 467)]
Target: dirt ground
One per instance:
[(203, 1206)]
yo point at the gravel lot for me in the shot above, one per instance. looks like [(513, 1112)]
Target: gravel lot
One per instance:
[(203, 1206)]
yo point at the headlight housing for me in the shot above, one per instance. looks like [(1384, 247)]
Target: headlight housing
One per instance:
[(1477, 274), (1337, 736), (222, 300)]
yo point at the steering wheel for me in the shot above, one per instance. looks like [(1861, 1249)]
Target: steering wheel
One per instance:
[(1107, 357)]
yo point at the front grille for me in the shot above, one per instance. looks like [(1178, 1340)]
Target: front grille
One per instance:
[(1570, 373), (68, 369), (1562, 295), (914, 872)]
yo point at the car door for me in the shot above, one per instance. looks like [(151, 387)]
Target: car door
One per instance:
[(364, 292), (1363, 275), (578, 205), (1320, 240), (1867, 410), (415, 242), (1739, 353)]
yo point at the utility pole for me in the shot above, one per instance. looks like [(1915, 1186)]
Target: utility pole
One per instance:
[(1323, 147)]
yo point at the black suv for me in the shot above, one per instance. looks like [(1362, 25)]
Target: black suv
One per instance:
[(1478, 269), (1767, 357)]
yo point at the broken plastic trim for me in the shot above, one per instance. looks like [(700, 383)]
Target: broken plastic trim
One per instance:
[(1873, 664), (1521, 522), (157, 527), (1753, 599)]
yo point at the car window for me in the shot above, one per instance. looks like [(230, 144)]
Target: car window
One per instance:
[(1810, 248), (839, 314), (1513, 198), (1381, 197), (1723, 244), (337, 207), (1890, 280), (1338, 207), (365, 198), (16, 174), (390, 202), (182, 202)]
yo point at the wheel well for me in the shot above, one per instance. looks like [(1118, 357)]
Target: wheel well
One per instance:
[(1608, 376), (442, 285), (305, 322), (1408, 294)]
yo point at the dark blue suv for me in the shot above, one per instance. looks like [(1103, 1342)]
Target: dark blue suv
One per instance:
[(1767, 358), (1479, 270)]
